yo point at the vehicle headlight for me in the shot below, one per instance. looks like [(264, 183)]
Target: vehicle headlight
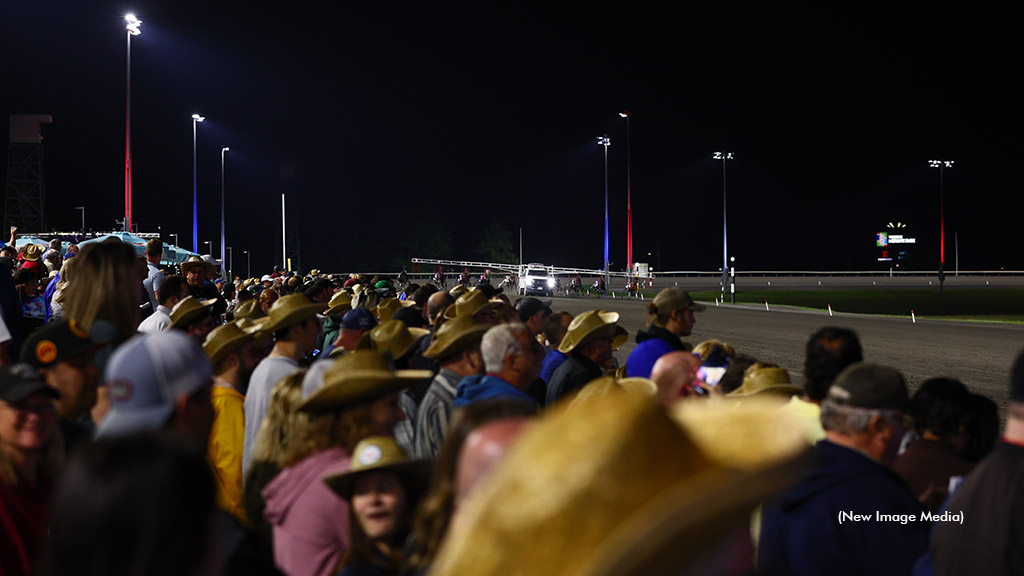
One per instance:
[(551, 282)]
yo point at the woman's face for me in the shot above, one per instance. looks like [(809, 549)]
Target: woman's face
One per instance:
[(378, 502), (26, 426)]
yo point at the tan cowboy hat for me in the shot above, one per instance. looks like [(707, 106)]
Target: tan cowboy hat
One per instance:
[(249, 309), (340, 303), (590, 325), (388, 306), (768, 381), (605, 385), (188, 310), (379, 454), (292, 309), (581, 489), (225, 339), (257, 326), (458, 291), (361, 376), (454, 336), (394, 337), (32, 252), (196, 261), (470, 304)]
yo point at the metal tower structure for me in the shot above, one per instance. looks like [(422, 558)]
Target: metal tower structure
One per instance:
[(25, 191)]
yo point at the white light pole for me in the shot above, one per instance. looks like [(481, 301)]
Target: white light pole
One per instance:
[(132, 26), (209, 246), (941, 165), (82, 208), (231, 265), (248, 264), (196, 118), (724, 156), (175, 236), (606, 142), (222, 151)]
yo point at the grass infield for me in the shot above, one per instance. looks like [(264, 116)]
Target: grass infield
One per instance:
[(991, 305)]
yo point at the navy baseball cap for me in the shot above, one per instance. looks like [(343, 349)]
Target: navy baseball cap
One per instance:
[(358, 319)]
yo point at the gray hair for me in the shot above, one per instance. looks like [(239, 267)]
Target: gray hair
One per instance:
[(843, 419), (499, 342)]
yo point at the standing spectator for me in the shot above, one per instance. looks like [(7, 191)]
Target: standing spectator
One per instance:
[(174, 289), (828, 352), (154, 252), (30, 456), (105, 286), (988, 539), (670, 316), (200, 274)]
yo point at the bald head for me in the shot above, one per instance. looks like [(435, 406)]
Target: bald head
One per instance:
[(483, 449), (675, 374), (436, 304)]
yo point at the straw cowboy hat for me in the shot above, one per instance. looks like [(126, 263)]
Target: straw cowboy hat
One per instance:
[(249, 309), (188, 310), (591, 325), (32, 252), (225, 339), (454, 336), (583, 490), (394, 337), (768, 381), (388, 306), (340, 303), (361, 376), (197, 262), (606, 385), (379, 454), (292, 309), (470, 304)]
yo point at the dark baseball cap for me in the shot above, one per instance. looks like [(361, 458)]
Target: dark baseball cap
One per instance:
[(870, 386), (19, 381), (529, 306), (58, 341), (358, 319)]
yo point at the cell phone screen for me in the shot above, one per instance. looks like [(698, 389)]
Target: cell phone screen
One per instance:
[(710, 375)]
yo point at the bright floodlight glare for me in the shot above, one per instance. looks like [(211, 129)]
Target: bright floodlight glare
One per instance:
[(133, 24), (198, 118), (624, 114), (225, 149), (604, 140)]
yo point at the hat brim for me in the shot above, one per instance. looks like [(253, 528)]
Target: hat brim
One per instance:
[(358, 386), (451, 311), (780, 390), (216, 355), (120, 422), (417, 471), (338, 309), (440, 350), (294, 316), (19, 392), (618, 334), (191, 316)]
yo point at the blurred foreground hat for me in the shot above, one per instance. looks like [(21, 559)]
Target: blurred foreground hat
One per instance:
[(622, 488), (19, 381), (290, 310), (768, 381), (189, 310), (358, 377), (454, 336), (55, 342), (470, 304), (591, 325), (864, 385), (146, 376), (671, 299), (379, 454)]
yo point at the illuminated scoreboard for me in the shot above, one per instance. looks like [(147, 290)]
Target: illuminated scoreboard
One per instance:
[(894, 245)]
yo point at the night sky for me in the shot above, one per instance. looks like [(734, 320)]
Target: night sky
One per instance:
[(410, 121)]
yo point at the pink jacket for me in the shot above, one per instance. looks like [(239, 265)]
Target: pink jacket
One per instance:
[(310, 521)]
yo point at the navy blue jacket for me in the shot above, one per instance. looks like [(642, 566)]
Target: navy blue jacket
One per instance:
[(486, 387), (801, 533)]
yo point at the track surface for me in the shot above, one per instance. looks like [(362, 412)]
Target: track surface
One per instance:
[(979, 355)]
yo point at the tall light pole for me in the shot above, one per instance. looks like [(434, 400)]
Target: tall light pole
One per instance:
[(223, 149), (175, 236), (209, 246), (196, 118), (629, 200), (132, 26), (724, 156), (82, 208), (606, 142), (231, 265), (248, 264), (941, 165)]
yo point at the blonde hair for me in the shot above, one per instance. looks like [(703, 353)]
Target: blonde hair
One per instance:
[(342, 429), (105, 286), (283, 421)]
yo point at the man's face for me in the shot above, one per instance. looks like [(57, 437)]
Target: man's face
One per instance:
[(198, 330), (528, 361), (684, 319), (195, 277), (536, 322), (76, 378)]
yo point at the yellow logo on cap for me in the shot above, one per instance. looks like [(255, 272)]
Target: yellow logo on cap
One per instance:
[(77, 329), (46, 351)]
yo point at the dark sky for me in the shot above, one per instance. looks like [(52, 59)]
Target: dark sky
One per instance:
[(411, 118)]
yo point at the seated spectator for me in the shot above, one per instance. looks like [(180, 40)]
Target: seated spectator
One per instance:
[(592, 337), (512, 362)]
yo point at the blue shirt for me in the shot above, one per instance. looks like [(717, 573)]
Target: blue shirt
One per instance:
[(486, 387), (550, 363)]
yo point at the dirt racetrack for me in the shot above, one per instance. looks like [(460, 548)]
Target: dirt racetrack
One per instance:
[(978, 354)]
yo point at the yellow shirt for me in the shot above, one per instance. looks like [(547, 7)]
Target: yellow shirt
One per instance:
[(226, 441), (810, 413)]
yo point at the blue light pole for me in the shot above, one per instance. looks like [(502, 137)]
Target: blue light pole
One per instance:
[(606, 142)]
